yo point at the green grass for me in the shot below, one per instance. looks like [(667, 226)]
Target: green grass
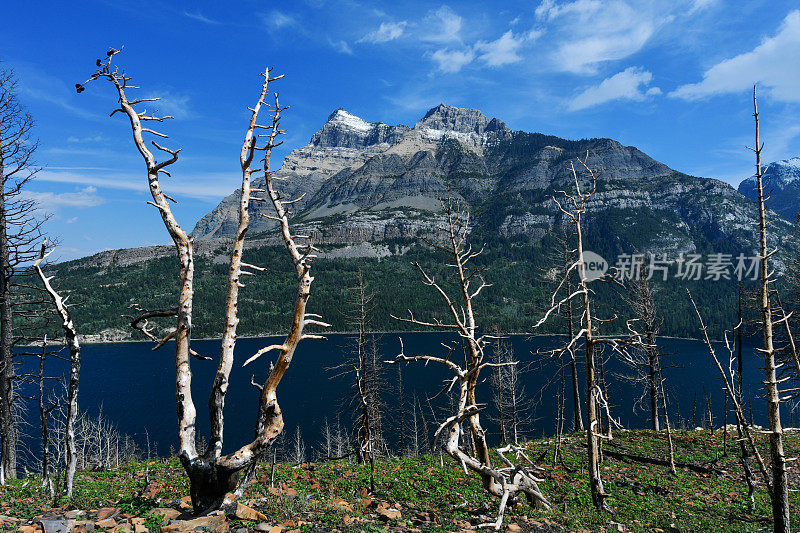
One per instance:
[(644, 497)]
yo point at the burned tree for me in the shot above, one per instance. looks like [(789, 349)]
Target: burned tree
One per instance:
[(211, 474), (510, 480), (20, 234), (562, 256), (71, 340), (732, 387), (779, 493), (573, 206), (364, 370), (646, 360), (508, 393)]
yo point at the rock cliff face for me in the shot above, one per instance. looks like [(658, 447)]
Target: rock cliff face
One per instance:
[(782, 178), (366, 181)]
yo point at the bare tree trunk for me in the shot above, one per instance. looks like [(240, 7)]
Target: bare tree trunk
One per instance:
[(400, 406), (508, 482), (71, 338), (212, 475), (780, 495), (8, 428)]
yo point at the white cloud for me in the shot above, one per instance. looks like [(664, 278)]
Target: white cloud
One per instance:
[(87, 139), (211, 186), (71, 220), (39, 85), (701, 5), (774, 64), (171, 103), (501, 51), (200, 17), (452, 60), (387, 31), (630, 84), (341, 46), (51, 202), (279, 19), (589, 32), (445, 26)]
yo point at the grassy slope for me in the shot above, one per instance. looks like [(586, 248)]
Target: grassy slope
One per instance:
[(442, 498)]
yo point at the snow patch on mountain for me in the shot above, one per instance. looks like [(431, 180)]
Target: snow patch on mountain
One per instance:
[(350, 121)]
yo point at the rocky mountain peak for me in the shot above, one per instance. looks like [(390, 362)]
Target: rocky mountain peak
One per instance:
[(456, 119), (782, 178), (787, 170), (344, 119), (345, 130)]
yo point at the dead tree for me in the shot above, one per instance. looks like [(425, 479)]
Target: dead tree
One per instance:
[(71, 340), (646, 362), (780, 494), (510, 480), (509, 395), (211, 474), (20, 235), (747, 443), (575, 210), (401, 402), (498, 382), (563, 256), (362, 367)]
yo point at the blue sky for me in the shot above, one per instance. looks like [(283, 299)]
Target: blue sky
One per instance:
[(670, 77)]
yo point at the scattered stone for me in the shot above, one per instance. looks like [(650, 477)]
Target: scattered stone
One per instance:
[(75, 513), (9, 521), (124, 528), (263, 526), (57, 525), (185, 502), (140, 528), (28, 529), (514, 527), (108, 523), (107, 512), (276, 529), (248, 513), (166, 513), (616, 526), (214, 524)]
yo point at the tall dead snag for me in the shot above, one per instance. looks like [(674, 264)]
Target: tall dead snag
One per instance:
[(211, 474), (363, 368), (780, 494), (20, 235), (574, 207), (646, 361), (563, 257), (510, 480), (747, 443), (71, 339)]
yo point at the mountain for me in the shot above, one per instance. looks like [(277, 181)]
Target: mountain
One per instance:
[(782, 178), (366, 181), (369, 190)]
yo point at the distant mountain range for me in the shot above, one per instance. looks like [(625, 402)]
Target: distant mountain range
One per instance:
[(366, 181), (369, 190), (782, 180)]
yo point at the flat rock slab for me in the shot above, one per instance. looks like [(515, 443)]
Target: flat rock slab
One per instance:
[(214, 524), (57, 525)]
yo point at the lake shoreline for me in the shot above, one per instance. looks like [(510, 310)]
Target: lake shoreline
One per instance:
[(84, 341)]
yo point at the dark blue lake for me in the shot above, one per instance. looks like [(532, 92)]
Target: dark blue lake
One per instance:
[(135, 387)]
